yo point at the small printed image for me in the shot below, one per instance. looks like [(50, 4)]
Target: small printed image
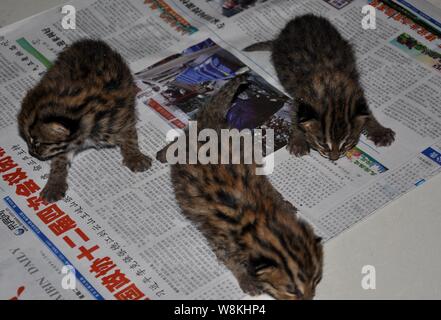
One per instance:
[(365, 162), (421, 24), (179, 85), (338, 4), (433, 155), (171, 17), (418, 51), (231, 7)]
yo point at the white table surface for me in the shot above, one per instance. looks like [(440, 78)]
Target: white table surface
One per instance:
[(402, 240)]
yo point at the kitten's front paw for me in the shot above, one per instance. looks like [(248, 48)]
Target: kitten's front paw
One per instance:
[(298, 147), (138, 162), (54, 191), (382, 137)]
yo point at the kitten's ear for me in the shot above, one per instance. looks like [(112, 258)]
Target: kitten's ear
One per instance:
[(58, 129), (262, 265), (307, 117)]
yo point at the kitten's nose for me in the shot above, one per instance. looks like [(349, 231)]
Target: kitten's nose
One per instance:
[(334, 156)]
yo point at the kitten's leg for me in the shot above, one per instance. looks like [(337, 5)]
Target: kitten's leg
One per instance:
[(297, 144), (133, 158), (380, 135), (56, 186)]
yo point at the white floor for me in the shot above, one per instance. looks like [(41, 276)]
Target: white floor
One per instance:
[(402, 241)]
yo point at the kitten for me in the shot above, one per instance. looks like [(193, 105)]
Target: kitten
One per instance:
[(250, 227), (317, 67), (87, 99)]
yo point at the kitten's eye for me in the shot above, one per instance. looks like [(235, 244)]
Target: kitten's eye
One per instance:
[(345, 146), (348, 146)]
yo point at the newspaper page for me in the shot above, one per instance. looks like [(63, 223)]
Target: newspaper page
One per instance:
[(121, 235)]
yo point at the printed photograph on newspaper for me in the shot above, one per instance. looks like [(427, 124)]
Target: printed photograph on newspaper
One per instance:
[(179, 85)]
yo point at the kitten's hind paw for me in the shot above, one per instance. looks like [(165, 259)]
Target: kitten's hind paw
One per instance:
[(382, 137), (298, 147), (53, 192), (138, 162)]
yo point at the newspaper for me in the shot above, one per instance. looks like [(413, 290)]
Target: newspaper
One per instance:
[(120, 235)]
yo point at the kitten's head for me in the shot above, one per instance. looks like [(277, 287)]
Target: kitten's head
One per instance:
[(291, 267), (336, 130), (46, 136)]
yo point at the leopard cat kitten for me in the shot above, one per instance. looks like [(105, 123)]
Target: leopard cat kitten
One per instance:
[(250, 227), (86, 99), (317, 67)]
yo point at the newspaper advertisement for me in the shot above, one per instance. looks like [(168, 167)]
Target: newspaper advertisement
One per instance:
[(120, 235)]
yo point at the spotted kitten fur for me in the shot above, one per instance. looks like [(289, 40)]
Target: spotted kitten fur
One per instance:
[(317, 67), (250, 227), (87, 99)]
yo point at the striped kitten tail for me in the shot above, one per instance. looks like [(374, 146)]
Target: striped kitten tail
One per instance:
[(213, 114), (260, 46)]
